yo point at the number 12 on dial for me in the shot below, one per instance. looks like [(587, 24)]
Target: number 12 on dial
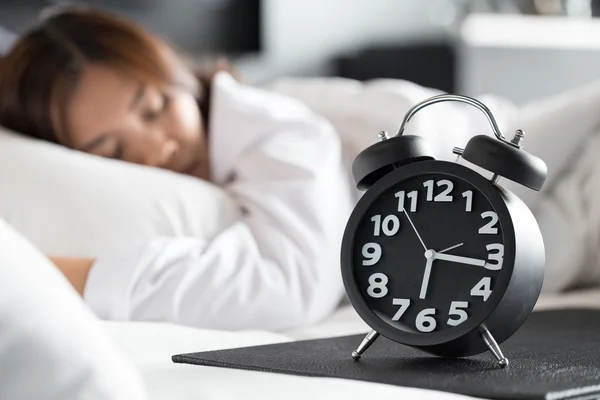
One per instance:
[(411, 197)]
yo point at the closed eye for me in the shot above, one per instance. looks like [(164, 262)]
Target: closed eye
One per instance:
[(104, 146), (153, 115)]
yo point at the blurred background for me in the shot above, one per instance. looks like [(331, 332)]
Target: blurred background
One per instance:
[(519, 49)]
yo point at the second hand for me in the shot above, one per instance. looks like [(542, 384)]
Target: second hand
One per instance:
[(415, 229)]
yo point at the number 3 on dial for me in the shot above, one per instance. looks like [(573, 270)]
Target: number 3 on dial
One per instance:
[(497, 257)]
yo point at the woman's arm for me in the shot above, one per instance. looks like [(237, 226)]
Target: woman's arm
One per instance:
[(76, 270), (275, 269)]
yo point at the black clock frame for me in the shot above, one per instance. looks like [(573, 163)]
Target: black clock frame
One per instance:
[(515, 292)]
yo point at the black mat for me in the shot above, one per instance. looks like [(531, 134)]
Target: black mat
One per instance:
[(556, 355)]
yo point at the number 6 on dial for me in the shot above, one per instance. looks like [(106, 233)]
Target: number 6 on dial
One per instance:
[(425, 321)]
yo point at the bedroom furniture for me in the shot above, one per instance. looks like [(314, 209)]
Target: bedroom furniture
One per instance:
[(525, 58), (431, 64)]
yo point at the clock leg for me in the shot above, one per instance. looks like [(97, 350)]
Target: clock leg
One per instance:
[(494, 348), (365, 344)]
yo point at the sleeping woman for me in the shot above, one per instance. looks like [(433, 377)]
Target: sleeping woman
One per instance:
[(99, 84)]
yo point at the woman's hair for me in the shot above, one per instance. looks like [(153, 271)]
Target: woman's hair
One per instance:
[(43, 67)]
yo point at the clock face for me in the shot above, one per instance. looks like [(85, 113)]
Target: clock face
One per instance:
[(428, 253)]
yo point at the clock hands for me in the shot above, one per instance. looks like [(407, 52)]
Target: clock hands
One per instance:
[(429, 255), (451, 248), (415, 229), (459, 259), (432, 255)]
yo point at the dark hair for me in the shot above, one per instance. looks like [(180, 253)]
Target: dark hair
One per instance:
[(43, 67)]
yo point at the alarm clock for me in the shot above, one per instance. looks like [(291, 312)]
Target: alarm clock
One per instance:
[(437, 256)]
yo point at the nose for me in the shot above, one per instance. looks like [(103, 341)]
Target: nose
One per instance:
[(156, 149)]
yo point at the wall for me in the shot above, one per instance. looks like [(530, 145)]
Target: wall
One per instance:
[(519, 58), (301, 36), (527, 58)]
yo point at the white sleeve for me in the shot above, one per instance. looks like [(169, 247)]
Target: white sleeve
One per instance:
[(276, 268), (51, 346)]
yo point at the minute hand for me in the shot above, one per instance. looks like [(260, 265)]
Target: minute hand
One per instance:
[(459, 259)]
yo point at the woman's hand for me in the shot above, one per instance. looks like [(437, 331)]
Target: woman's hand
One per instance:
[(76, 270)]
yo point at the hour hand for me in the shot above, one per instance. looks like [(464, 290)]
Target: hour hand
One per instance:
[(459, 259), (426, 276)]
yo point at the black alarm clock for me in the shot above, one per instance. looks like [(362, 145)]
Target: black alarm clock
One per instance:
[(437, 256)]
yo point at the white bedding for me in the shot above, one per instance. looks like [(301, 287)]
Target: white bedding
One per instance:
[(151, 345)]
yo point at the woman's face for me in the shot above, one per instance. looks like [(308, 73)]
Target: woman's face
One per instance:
[(113, 115)]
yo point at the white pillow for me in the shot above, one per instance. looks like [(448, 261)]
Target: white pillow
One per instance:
[(562, 130), (74, 204), (51, 346)]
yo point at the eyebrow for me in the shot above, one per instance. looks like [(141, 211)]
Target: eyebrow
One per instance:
[(139, 95)]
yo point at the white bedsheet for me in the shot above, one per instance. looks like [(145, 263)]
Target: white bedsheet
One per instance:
[(151, 345)]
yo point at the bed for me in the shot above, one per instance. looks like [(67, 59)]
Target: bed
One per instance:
[(358, 111)]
